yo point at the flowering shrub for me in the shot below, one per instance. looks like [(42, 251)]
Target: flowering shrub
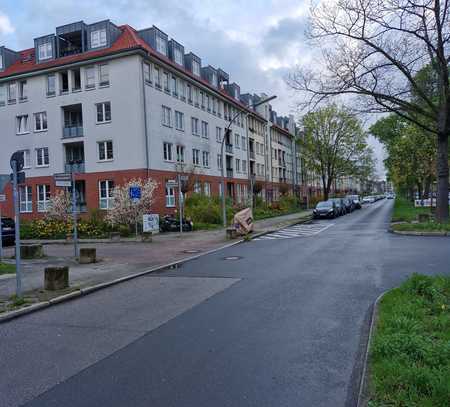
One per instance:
[(57, 229), (59, 206)]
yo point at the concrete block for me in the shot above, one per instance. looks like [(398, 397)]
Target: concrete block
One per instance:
[(231, 233), (31, 251), (146, 237), (56, 278), (115, 236), (87, 255)]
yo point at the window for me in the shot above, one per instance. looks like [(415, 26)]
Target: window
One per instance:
[(43, 198), (42, 159), (182, 90), (106, 189), (238, 165), (40, 121), (195, 156), (236, 140), (178, 56), (103, 74), (90, 77), (208, 103), (180, 154), (103, 112), (12, 92), (23, 91), (174, 86), (179, 120), (166, 119), (157, 77), (196, 97), (205, 130), (244, 166), (207, 188), (244, 143), (161, 45), (170, 196), (51, 85), (22, 124), (219, 134), (166, 81), (196, 68), (45, 51), (197, 187), (205, 159), (189, 93), (105, 150), (202, 98), (76, 80), (1, 61), (147, 73), (25, 199), (214, 105), (219, 161), (2, 95), (167, 148), (98, 38), (26, 158), (194, 126)]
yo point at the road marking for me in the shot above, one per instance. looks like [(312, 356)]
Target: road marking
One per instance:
[(305, 230)]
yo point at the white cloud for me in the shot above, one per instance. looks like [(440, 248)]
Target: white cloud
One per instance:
[(6, 26)]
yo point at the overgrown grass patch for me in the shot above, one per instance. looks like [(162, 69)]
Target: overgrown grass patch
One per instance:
[(410, 352), (422, 227), (6, 268), (404, 210)]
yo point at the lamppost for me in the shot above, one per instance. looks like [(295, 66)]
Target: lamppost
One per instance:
[(227, 134)]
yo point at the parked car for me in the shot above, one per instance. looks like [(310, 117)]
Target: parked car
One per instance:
[(170, 223), (340, 206), (325, 209), (390, 196), (8, 231), (356, 201), (349, 205), (369, 199)]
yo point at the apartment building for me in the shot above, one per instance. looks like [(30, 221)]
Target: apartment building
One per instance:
[(111, 103)]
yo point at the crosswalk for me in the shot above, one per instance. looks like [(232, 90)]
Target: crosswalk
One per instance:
[(302, 230)]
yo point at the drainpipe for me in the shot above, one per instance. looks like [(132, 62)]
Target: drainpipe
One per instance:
[(147, 141)]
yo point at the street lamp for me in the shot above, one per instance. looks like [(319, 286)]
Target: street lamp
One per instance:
[(226, 134)]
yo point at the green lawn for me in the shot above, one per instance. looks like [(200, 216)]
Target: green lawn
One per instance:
[(410, 353), (404, 210), (7, 268)]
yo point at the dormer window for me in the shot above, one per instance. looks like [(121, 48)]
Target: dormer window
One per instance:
[(45, 51), (214, 79), (1, 62), (195, 68), (98, 38), (178, 56), (161, 45)]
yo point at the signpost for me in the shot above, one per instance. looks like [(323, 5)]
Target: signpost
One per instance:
[(17, 163), (135, 194), (2, 199)]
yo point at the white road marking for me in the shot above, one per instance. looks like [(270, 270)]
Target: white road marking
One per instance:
[(305, 230)]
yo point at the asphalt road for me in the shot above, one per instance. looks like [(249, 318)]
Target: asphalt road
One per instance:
[(283, 325)]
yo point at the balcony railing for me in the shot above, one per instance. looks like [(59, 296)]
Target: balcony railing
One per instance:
[(230, 172), (73, 131), (229, 148), (77, 168)]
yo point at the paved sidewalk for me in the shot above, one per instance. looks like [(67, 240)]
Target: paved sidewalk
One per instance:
[(128, 257)]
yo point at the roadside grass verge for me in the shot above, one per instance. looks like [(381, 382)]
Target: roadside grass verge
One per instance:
[(404, 210), (409, 362), (422, 227), (7, 268)]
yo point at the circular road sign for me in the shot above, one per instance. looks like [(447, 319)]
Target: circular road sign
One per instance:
[(18, 158)]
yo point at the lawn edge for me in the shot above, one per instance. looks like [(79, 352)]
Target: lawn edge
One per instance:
[(7, 316), (363, 384)]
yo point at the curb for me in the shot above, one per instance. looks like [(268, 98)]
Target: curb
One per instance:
[(7, 316), (363, 382), (414, 233)]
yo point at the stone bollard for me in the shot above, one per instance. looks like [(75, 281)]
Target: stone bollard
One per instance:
[(115, 236), (87, 255), (31, 251), (146, 237), (231, 233), (56, 278), (423, 217)]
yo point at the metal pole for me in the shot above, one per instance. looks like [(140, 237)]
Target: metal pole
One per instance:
[(17, 232), (1, 235), (180, 204), (74, 215), (224, 210)]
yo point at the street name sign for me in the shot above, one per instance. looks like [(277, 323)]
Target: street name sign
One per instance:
[(62, 179), (2, 198)]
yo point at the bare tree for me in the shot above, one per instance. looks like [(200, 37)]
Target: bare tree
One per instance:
[(376, 50)]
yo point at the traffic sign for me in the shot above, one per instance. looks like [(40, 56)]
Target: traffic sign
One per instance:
[(17, 157), (2, 198), (135, 193), (20, 177), (171, 183), (63, 179), (150, 223)]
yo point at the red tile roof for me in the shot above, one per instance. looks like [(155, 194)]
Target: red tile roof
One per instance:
[(128, 40)]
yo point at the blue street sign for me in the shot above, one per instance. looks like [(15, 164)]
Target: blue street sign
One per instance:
[(135, 193)]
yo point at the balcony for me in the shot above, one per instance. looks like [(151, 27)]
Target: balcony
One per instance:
[(252, 155), (229, 148), (77, 168), (72, 131), (229, 172)]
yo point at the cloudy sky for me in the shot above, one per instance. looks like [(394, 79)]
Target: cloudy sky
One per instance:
[(257, 44)]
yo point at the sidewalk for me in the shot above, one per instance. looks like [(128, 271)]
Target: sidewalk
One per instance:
[(123, 258)]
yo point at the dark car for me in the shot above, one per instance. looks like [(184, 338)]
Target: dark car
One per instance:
[(340, 206), (8, 231), (356, 201), (349, 205), (325, 209)]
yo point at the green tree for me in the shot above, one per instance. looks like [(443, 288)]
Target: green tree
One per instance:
[(334, 145)]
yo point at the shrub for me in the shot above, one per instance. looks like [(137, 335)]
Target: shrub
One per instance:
[(203, 209)]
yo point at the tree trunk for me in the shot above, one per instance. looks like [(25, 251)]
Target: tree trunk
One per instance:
[(442, 178), (427, 191), (419, 189), (326, 189)]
